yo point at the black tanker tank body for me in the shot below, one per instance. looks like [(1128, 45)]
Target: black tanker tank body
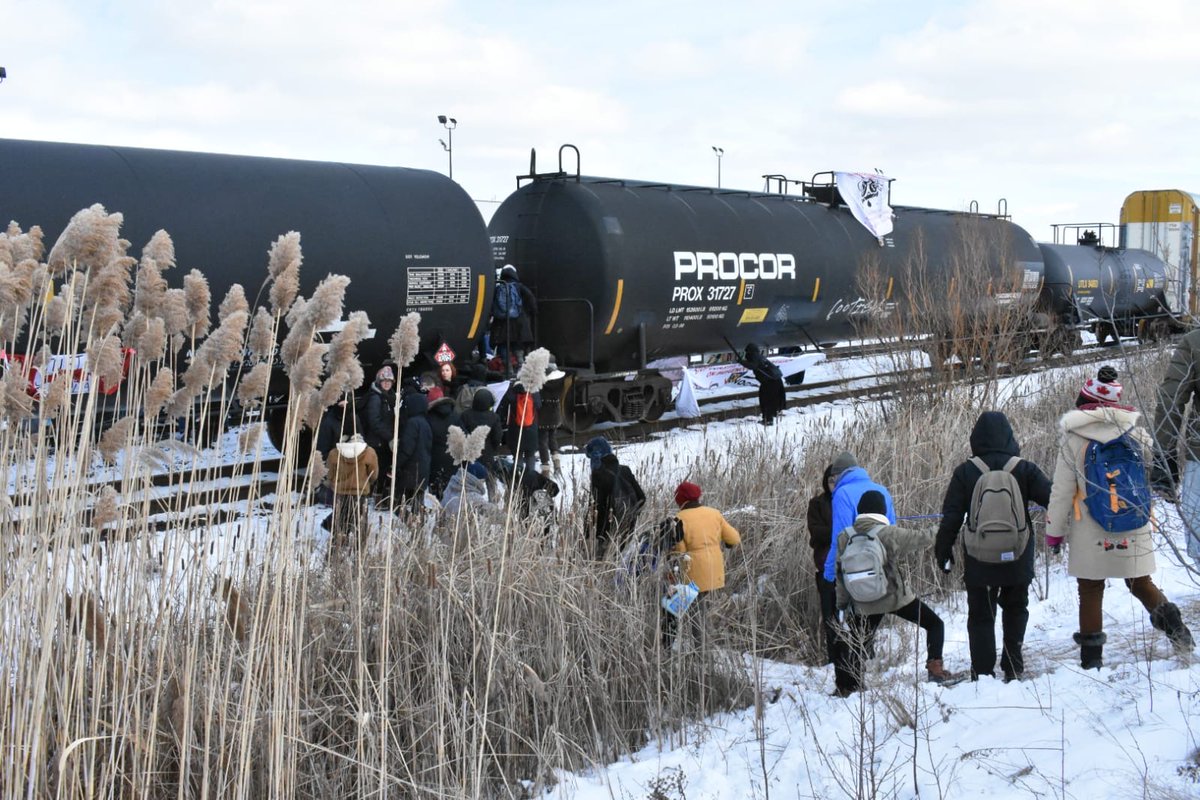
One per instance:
[(409, 239), (1114, 291), (627, 272)]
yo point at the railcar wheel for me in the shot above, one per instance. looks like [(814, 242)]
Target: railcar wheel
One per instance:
[(277, 430), (575, 418)]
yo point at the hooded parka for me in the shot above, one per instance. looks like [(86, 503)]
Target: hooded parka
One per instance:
[(1092, 552), (992, 440)]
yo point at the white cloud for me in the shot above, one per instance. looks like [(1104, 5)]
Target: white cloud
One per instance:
[(889, 98)]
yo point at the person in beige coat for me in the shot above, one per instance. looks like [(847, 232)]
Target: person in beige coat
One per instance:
[(1094, 554), (353, 468)]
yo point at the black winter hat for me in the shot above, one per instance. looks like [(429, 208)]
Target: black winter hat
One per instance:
[(872, 502)]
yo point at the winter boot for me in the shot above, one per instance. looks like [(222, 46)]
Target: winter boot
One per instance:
[(557, 463), (1167, 619), (545, 470), (1091, 649), (937, 673)]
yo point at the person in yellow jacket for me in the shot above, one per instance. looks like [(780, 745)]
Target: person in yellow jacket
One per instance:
[(703, 533)]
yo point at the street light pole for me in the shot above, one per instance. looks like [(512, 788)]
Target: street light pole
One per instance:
[(720, 151), (449, 123)]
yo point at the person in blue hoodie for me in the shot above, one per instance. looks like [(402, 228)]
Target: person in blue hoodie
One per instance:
[(852, 483)]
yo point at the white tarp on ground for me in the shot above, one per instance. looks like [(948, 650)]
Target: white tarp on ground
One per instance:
[(710, 380), (866, 195)]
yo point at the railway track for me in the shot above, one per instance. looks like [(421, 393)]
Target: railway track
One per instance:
[(220, 493)]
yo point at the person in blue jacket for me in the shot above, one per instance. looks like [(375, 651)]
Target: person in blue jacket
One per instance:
[(852, 483)]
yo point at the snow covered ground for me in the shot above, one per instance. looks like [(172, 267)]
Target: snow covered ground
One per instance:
[(1131, 729), (1128, 730)]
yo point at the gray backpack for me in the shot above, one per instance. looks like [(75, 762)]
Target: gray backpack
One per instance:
[(862, 566), (996, 528)]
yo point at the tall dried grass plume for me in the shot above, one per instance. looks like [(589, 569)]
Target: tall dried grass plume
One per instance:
[(106, 360), (160, 249), (532, 374), (90, 240), (261, 342), (198, 299), (150, 289), (117, 438), (235, 300), (406, 341), (343, 365), (252, 388), (463, 447), (160, 391)]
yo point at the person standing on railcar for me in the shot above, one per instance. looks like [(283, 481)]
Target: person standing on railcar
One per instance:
[(514, 309)]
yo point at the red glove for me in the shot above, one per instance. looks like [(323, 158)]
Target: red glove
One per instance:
[(1054, 543)]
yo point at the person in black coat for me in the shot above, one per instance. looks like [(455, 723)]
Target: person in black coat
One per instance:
[(519, 412), (414, 451), (990, 585), (617, 495), (481, 414), (771, 397), (441, 416), (378, 420), (512, 337), (820, 539), (337, 422)]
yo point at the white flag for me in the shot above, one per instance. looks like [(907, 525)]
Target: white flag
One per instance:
[(866, 195)]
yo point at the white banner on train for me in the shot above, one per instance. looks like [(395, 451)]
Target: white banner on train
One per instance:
[(866, 195)]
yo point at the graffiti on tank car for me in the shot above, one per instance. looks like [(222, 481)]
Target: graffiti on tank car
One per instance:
[(860, 307), (734, 266)]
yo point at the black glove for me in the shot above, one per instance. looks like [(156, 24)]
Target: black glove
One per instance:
[(945, 562)]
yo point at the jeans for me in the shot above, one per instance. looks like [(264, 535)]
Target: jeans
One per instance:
[(1189, 508)]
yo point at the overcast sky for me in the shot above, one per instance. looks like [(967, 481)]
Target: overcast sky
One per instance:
[(1061, 107)]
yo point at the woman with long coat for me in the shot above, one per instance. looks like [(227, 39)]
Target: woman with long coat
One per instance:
[(1094, 554)]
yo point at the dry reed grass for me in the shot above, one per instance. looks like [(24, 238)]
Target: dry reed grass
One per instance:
[(457, 660)]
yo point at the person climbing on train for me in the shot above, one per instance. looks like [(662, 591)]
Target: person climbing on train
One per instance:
[(871, 584), (514, 312), (771, 396), (1100, 507), (992, 491)]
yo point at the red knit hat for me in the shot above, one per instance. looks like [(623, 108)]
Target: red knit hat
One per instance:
[(687, 493)]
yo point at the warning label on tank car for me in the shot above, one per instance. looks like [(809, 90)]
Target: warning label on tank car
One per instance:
[(438, 286)]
